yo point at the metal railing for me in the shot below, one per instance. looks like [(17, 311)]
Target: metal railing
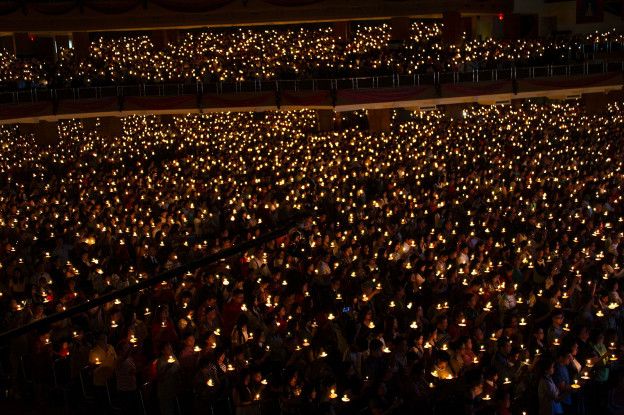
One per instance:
[(322, 84)]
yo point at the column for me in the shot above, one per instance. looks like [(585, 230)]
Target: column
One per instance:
[(453, 27), (399, 28), (24, 44), (81, 43)]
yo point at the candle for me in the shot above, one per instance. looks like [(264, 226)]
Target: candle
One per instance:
[(332, 394)]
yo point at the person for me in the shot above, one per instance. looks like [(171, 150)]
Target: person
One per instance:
[(555, 331), (548, 392), (167, 380), (103, 360), (246, 402), (126, 379), (394, 279), (615, 403), (561, 378)]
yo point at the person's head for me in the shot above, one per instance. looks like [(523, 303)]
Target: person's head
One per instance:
[(245, 377), (166, 350), (557, 318), (442, 323), (256, 375), (546, 366), (242, 321), (163, 313), (474, 382), (538, 333), (583, 333), (598, 337), (564, 357), (189, 341), (504, 345), (490, 374), (101, 340), (238, 296)]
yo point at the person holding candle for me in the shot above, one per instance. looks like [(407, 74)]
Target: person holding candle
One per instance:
[(103, 360), (549, 394), (246, 402), (168, 380), (555, 331), (126, 379), (381, 216), (562, 378)]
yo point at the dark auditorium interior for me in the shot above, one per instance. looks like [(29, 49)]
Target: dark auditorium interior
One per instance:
[(316, 207)]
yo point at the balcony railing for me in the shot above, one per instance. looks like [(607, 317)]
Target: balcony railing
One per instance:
[(251, 86)]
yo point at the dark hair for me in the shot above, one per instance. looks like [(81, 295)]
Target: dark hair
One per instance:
[(544, 364)]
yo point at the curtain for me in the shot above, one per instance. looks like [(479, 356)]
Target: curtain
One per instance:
[(111, 6), (191, 6)]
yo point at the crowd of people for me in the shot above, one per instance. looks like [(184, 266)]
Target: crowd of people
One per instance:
[(290, 53), (466, 265)]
